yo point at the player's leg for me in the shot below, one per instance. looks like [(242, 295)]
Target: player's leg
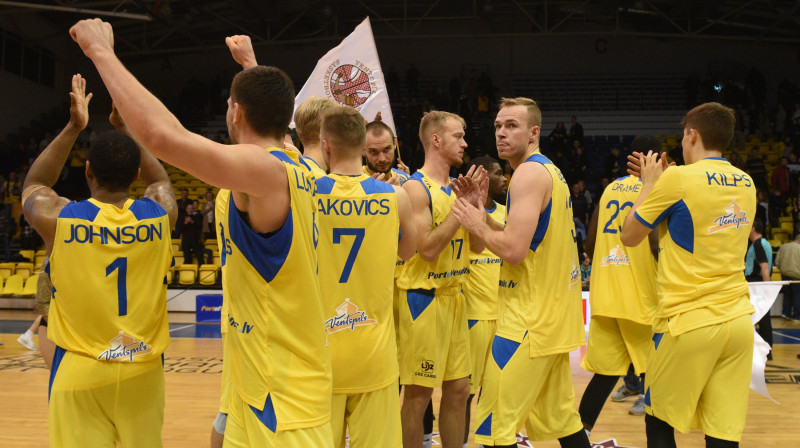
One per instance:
[(455, 349), (481, 333), (235, 434), (226, 392), (637, 339), (26, 338), (415, 400), (139, 410), (339, 419), (659, 433), (765, 331), (427, 426), (46, 347), (375, 419), (452, 410)]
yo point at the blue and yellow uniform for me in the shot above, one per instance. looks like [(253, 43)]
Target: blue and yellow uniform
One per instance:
[(433, 339), (280, 366), (699, 365), (623, 289), (480, 292), (314, 169), (394, 172), (221, 203), (528, 377), (108, 320), (358, 222)]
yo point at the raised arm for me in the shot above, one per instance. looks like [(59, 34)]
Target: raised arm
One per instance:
[(40, 203), (431, 241), (153, 175), (242, 50), (407, 245)]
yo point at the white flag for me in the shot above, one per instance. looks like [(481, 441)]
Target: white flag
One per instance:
[(351, 75), (762, 296)]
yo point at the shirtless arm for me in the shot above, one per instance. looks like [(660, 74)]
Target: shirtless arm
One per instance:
[(431, 241), (407, 245)]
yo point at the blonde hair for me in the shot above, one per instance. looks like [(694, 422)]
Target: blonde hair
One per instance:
[(344, 128), (433, 122), (534, 113), (308, 116)]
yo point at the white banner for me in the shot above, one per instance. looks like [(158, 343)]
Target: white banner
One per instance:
[(762, 295), (351, 75)]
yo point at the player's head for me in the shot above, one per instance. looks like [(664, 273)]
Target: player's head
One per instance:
[(184, 193), (644, 143), (307, 118), (516, 127), (113, 162), (379, 148), (498, 184), (442, 133), (189, 209), (262, 99), (758, 227), (342, 131), (707, 127)]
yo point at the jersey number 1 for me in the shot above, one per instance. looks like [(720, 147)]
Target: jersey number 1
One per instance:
[(120, 263), (351, 258)]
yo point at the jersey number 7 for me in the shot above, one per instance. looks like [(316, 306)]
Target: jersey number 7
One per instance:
[(351, 258)]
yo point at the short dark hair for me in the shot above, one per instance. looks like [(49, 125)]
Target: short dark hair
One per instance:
[(714, 122), (644, 143), (758, 225), (114, 159), (485, 162), (376, 128), (344, 128), (266, 95)]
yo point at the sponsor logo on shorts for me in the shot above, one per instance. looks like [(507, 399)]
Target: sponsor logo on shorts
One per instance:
[(348, 317), (733, 217), (125, 348), (615, 257), (574, 275), (426, 369)]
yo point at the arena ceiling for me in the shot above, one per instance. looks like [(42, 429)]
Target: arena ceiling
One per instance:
[(152, 27)]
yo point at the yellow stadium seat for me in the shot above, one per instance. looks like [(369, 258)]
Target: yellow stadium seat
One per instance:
[(207, 275), (187, 274), (13, 286), (210, 244), (176, 245), (30, 285), (783, 219), (38, 261), (178, 258), (6, 270), (170, 275), (29, 254), (787, 227), (776, 276), (24, 270), (215, 259)]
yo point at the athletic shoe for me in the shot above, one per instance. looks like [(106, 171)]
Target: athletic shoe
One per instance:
[(638, 407), (623, 393), (786, 317), (27, 341)]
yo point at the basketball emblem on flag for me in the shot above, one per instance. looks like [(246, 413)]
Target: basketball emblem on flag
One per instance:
[(350, 85)]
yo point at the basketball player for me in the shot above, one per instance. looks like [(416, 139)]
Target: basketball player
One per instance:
[(380, 152), (528, 377), (700, 361), (307, 119), (281, 366), (108, 322), (622, 294), (481, 288), (357, 217), (434, 340)]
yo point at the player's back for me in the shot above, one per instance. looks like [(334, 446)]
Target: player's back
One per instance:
[(704, 212), (108, 268), (542, 295), (273, 295), (481, 287), (623, 278), (359, 229)]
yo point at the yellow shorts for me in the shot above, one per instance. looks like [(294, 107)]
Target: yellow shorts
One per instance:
[(227, 383), (481, 333), (372, 418), (616, 343), (248, 427), (99, 403), (519, 389), (701, 378), (434, 339)]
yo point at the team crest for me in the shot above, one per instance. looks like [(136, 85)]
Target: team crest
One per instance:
[(125, 348), (615, 257), (347, 317), (574, 275), (349, 84), (733, 218)]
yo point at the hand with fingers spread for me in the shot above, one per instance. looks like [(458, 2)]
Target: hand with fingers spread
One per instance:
[(473, 187), (79, 103), (402, 166), (651, 167), (94, 36), (470, 217), (634, 167), (242, 50)]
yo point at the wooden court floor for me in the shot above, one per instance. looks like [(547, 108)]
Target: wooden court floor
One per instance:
[(193, 368)]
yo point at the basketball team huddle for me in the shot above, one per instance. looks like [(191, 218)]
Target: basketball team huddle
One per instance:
[(343, 282)]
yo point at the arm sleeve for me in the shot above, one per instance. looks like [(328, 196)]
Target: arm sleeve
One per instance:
[(667, 191)]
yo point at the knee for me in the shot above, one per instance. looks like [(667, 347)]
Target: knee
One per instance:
[(417, 397), (456, 391)]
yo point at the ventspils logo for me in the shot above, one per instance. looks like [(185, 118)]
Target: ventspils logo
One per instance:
[(574, 275), (733, 218), (347, 317), (125, 348), (349, 84), (615, 257)]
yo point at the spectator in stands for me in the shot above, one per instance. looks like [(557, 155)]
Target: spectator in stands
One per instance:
[(755, 166), (579, 163), (736, 160), (561, 160), (758, 268), (190, 227), (6, 230), (762, 210), (558, 137), (586, 269), (580, 207), (576, 130), (412, 80), (587, 194), (788, 261), (12, 188), (782, 179), (777, 204), (29, 239), (793, 166), (183, 201), (208, 216), (603, 184), (613, 167)]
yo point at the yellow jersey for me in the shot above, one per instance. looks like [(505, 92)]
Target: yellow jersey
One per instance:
[(220, 208), (481, 288), (358, 224), (623, 282), (452, 265), (108, 268), (270, 283), (313, 167), (542, 295), (704, 212), (394, 172)]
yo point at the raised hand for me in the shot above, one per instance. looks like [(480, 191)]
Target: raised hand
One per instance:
[(242, 50), (634, 166), (394, 180), (651, 167), (470, 217), (116, 119), (79, 103), (93, 36), (473, 187)]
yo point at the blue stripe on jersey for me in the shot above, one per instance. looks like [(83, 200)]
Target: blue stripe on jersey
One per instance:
[(400, 173), (485, 429), (679, 224), (146, 208), (267, 415), (657, 339), (374, 186), (541, 226), (304, 163), (418, 300), (647, 398), (80, 210), (325, 185), (539, 158), (283, 157), (57, 357), (418, 177), (502, 350), (641, 220), (471, 323), (265, 254)]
